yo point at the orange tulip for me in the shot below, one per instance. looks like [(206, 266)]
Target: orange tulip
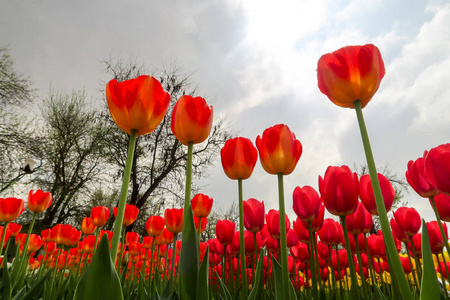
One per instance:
[(39, 201), (191, 119), (154, 225), (173, 218), (87, 227), (166, 237), (239, 158), (131, 213), (201, 205), (15, 229), (10, 209), (138, 104), (99, 215), (60, 234), (350, 73), (279, 150)]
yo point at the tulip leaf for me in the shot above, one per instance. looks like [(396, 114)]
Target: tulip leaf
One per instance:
[(203, 276), (429, 285), (35, 292), (223, 289), (189, 258), (5, 281), (257, 287), (100, 280), (278, 284)]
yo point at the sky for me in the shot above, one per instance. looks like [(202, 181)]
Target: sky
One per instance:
[(255, 62)]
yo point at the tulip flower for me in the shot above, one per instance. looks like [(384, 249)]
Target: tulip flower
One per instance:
[(279, 150), (339, 190), (132, 237), (253, 215), (138, 104), (173, 218), (154, 225), (273, 223), (131, 213), (201, 205), (191, 120), (60, 233), (307, 203), (225, 231), (202, 225), (437, 168), (15, 229), (10, 209), (6, 234), (331, 232), (317, 223), (442, 202), (239, 158), (87, 227), (367, 196), (417, 179), (435, 237), (350, 73), (39, 201), (408, 220), (99, 215), (360, 221)]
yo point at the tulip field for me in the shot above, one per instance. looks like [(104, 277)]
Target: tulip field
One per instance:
[(266, 255)]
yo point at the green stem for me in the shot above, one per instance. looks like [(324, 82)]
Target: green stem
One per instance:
[(283, 239), (3, 238), (387, 233), (312, 267), (119, 264), (413, 273), (361, 269), (353, 278), (123, 197), (187, 192), (199, 228), (255, 258), (242, 242), (172, 279)]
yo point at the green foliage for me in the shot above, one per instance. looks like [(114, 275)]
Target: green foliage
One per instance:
[(429, 285), (100, 280)]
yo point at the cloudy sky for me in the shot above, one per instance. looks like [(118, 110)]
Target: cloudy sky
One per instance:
[(255, 61)]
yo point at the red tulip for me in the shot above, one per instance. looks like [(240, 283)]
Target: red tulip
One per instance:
[(239, 158), (291, 238), (339, 190), (39, 201), (279, 150), (132, 237), (202, 225), (376, 246), (367, 196), (134, 248), (301, 252), (225, 231), (191, 119), (307, 203), (350, 73), (201, 205), (442, 202), (35, 243), (131, 213), (74, 238), (87, 227), (173, 218), (408, 220), (435, 237), (46, 235), (323, 251), (10, 209), (60, 234), (253, 215), (166, 237), (138, 104), (302, 231), (99, 215), (89, 243), (417, 242), (360, 221), (398, 232), (147, 242), (331, 232), (15, 229), (154, 225), (273, 223), (317, 223), (417, 179), (437, 167), (7, 235)]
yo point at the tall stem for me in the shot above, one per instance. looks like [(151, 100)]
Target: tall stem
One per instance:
[(283, 239), (123, 197), (387, 233), (312, 267), (242, 242), (351, 265), (3, 238)]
